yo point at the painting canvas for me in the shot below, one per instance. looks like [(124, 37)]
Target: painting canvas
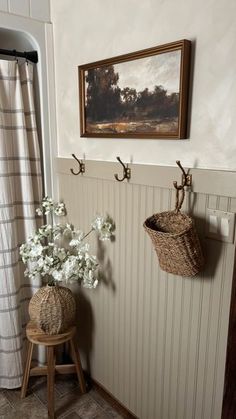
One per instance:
[(138, 95)]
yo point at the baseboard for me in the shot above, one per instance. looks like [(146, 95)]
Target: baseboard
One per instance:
[(119, 407)]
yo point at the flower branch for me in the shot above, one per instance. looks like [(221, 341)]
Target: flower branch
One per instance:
[(58, 251)]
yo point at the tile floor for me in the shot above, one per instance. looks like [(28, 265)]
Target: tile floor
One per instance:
[(69, 403)]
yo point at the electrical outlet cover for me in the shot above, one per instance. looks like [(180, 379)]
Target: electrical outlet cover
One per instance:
[(220, 225)]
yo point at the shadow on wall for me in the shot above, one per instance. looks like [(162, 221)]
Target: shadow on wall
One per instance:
[(212, 251), (211, 248), (105, 273), (85, 326), (85, 321), (229, 402)]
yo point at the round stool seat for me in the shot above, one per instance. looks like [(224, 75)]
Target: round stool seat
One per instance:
[(36, 336), (39, 337)]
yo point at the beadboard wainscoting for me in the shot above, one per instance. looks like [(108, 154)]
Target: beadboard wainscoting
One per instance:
[(28, 8), (156, 341)]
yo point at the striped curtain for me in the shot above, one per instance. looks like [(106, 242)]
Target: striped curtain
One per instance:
[(20, 193)]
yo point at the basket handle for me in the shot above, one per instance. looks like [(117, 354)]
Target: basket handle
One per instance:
[(179, 199), (186, 181)]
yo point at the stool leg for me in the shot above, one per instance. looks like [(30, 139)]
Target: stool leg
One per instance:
[(27, 370), (50, 380), (78, 366)]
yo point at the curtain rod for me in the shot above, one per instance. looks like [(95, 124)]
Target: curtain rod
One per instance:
[(28, 55)]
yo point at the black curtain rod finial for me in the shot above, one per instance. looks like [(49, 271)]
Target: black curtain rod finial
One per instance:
[(31, 56)]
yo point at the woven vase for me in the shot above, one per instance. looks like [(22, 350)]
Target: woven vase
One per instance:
[(176, 242), (53, 309)]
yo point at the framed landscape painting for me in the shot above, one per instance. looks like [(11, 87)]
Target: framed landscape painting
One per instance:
[(139, 95)]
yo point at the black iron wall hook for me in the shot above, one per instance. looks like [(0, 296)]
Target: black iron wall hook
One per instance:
[(126, 171), (81, 166)]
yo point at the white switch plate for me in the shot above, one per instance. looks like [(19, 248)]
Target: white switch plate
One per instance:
[(220, 225)]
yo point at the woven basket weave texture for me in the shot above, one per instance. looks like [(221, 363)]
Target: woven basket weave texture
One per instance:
[(176, 242), (53, 309)]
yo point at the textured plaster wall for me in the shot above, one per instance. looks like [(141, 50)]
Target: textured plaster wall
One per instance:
[(88, 30)]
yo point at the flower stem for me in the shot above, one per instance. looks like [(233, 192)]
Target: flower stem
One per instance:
[(87, 233), (52, 225), (51, 281)]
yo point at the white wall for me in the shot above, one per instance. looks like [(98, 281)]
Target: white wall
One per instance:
[(88, 30)]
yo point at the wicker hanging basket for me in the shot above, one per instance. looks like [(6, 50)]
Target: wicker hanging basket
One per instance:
[(53, 309), (175, 240)]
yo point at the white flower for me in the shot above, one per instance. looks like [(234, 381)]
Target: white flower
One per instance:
[(95, 283), (59, 252), (49, 260), (50, 206), (89, 279), (84, 248), (36, 251), (67, 230), (104, 227), (70, 266), (40, 262), (77, 237), (45, 230), (74, 242), (39, 211), (47, 205), (59, 209), (58, 275), (105, 235), (98, 223)]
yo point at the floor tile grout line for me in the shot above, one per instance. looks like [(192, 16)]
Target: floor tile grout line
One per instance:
[(8, 402), (38, 398), (101, 406)]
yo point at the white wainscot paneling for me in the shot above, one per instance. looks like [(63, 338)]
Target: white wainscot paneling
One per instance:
[(4, 5), (21, 7), (40, 10), (156, 341)]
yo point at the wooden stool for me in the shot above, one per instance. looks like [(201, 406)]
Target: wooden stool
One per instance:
[(38, 337)]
